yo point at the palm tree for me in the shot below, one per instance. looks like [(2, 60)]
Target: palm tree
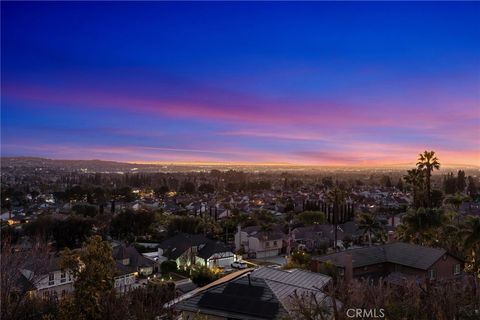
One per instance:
[(414, 178), (337, 197), (369, 224), (428, 162), (421, 226), (470, 234)]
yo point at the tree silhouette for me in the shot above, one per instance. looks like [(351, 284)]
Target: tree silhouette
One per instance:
[(427, 161)]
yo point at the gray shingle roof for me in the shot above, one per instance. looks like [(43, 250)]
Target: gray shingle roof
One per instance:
[(212, 247), (175, 246), (406, 254), (294, 277)]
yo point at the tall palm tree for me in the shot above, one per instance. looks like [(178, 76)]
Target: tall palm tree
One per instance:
[(336, 196), (427, 161), (369, 224), (415, 179)]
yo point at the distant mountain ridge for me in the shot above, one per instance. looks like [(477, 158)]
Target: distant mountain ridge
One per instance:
[(71, 164)]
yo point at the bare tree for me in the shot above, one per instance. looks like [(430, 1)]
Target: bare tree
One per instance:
[(312, 305), (21, 270)]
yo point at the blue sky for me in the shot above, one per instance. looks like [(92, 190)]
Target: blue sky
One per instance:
[(327, 83)]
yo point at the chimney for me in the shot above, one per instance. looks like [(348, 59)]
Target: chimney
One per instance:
[(391, 237), (348, 265)]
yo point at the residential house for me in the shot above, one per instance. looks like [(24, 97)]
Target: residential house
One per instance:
[(403, 260), (312, 236), (129, 265), (258, 243), (189, 249), (52, 281)]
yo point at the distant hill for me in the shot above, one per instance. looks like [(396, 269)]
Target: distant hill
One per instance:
[(91, 165), (114, 166)]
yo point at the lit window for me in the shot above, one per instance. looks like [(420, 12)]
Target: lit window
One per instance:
[(432, 274)]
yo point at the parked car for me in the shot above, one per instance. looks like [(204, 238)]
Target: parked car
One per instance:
[(239, 265)]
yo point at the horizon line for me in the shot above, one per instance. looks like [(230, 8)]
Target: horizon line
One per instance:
[(252, 163)]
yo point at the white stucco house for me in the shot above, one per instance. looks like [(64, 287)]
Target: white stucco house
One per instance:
[(259, 244)]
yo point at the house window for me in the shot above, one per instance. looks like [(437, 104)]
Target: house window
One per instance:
[(432, 273), (267, 244), (274, 243), (457, 269), (51, 279), (63, 277)]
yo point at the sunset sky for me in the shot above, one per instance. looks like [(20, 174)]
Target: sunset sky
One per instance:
[(353, 84)]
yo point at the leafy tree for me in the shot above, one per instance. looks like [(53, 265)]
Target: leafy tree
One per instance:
[(329, 269), (160, 191), (421, 226), (400, 184), (202, 275), (72, 231), (470, 235), (370, 225), (86, 210), (231, 187), (206, 188), (301, 258), (184, 224), (386, 182), (130, 223), (450, 183), (124, 194), (427, 161), (472, 188), (461, 181), (327, 182), (456, 201), (415, 179), (263, 216), (437, 198), (93, 270), (347, 241), (168, 266), (311, 217), (40, 228), (188, 187), (99, 195)]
